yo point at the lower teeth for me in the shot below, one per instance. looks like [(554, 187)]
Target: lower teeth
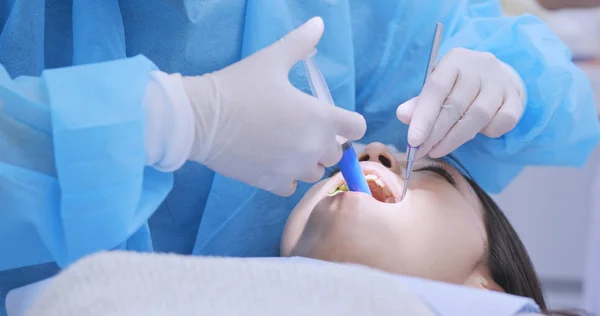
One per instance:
[(344, 187), (374, 183)]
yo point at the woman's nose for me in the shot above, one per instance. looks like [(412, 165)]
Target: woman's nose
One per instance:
[(378, 152)]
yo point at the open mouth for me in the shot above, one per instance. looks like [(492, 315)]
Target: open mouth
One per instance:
[(379, 190)]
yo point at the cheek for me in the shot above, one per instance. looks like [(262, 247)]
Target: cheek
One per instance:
[(350, 228), (444, 237), (299, 216)]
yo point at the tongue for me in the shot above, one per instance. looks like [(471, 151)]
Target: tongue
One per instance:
[(379, 193)]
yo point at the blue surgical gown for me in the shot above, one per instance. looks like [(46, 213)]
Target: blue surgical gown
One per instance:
[(73, 74)]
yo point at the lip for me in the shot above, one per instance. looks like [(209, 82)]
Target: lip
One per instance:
[(391, 180)]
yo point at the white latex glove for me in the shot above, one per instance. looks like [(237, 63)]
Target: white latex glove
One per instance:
[(468, 92), (254, 126)]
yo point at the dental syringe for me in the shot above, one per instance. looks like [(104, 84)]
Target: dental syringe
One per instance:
[(349, 164)]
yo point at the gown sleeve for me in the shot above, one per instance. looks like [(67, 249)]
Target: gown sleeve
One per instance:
[(559, 125), (73, 178)]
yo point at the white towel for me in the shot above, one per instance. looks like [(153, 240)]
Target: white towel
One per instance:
[(118, 283)]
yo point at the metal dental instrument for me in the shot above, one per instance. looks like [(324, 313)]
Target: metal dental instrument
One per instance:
[(349, 164), (412, 151)]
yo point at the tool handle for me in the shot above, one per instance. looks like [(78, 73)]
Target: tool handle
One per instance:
[(351, 170)]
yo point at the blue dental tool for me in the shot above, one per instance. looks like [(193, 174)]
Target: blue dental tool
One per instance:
[(349, 164), (412, 151)]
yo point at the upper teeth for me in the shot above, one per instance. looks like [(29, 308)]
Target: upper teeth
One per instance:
[(376, 179), (369, 177)]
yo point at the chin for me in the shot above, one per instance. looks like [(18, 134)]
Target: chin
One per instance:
[(385, 185)]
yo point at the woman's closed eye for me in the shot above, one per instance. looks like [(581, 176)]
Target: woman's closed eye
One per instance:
[(440, 170), (433, 167)]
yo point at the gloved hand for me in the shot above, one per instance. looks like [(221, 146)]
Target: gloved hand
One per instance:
[(254, 126), (468, 92)]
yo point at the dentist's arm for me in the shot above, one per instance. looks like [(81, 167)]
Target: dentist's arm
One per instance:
[(84, 150), (504, 95)]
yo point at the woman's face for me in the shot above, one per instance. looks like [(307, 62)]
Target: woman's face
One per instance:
[(436, 232)]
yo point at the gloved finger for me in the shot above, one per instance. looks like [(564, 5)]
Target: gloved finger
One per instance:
[(436, 89), (507, 116), (478, 116), (332, 156), (275, 183), (446, 120), (405, 111), (313, 175), (465, 90), (351, 125), (299, 43), (284, 189)]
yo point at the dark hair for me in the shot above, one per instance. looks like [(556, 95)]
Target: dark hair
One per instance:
[(508, 261)]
